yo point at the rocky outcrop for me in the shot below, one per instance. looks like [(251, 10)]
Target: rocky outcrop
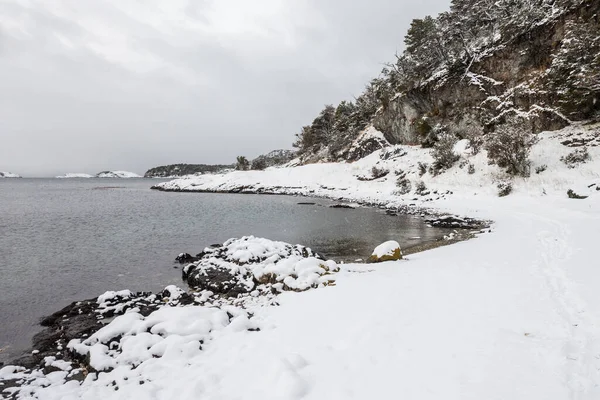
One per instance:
[(520, 77), (83, 318), (247, 264)]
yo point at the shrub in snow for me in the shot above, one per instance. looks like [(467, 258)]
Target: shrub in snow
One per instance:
[(540, 169), (573, 195), (387, 251), (403, 184), (377, 173), (471, 169), (242, 265), (421, 189), (242, 163), (475, 140), (576, 157), (509, 148), (422, 168), (389, 154), (259, 164), (504, 189), (443, 153)]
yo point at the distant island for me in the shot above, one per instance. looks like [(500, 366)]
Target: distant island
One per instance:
[(166, 171), (271, 159), (103, 174), (74, 175), (9, 175), (117, 174)]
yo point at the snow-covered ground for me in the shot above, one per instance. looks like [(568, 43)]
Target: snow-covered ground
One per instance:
[(75, 175), (510, 315), (117, 174), (8, 175)]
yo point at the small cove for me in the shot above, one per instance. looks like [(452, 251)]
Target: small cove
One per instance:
[(72, 239)]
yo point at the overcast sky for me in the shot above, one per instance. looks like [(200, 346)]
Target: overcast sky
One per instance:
[(131, 84)]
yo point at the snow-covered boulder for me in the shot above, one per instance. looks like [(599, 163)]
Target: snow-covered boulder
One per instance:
[(386, 251), (75, 175), (117, 174), (8, 175), (243, 265)]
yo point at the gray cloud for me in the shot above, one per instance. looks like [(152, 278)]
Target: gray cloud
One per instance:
[(122, 84)]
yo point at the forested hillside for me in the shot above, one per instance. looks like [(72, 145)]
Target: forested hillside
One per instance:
[(184, 169), (480, 65)]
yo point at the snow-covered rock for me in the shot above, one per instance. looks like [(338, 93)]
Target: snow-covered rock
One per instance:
[(386, 251), (243, 265), (75, 175), (9, 175), (117, 174)]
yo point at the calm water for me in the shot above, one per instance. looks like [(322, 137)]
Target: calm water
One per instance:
[(70, 239)]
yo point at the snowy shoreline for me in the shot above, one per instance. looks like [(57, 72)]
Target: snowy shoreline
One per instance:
[(514, 312)]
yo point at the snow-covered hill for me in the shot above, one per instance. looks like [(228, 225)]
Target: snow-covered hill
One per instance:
[(8, 175), (117, 174), (472, 175)]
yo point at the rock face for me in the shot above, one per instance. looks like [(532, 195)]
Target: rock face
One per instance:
[(387, 251), (9, 175), (519, 77), (165, 171), (471, 69), (243, 265)]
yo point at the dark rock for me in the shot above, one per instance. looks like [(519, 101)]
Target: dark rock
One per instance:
[(342, 206), (454, 222), (185, 258), (306, 203), (573, 195), (217, 280)]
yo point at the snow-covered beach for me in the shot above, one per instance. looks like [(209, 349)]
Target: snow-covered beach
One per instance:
[(510, 315)]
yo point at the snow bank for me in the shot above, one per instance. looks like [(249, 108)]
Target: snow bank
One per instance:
[(75, 175), (117, 174), (9, 175)]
